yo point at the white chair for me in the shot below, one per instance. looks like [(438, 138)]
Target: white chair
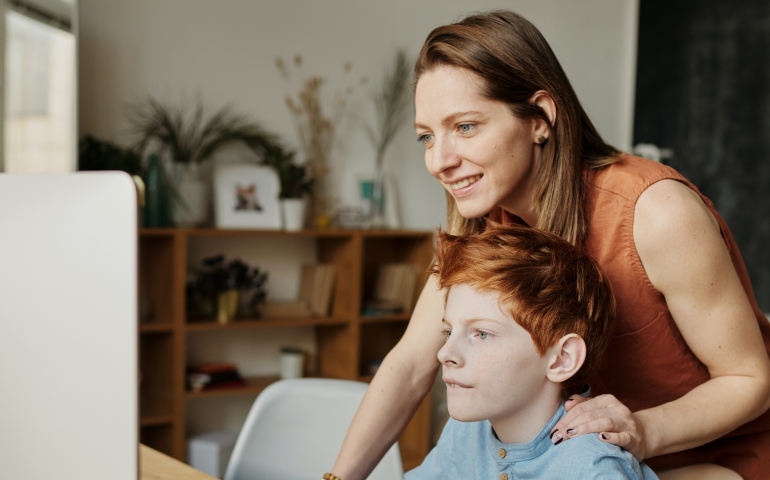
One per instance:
[(295, 429)]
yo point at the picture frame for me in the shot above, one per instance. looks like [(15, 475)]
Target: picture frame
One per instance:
[(247, 197)]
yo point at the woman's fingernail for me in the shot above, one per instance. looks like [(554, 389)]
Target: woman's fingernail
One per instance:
[(554, 431), (604, 436), (556, 439), (571, 432)]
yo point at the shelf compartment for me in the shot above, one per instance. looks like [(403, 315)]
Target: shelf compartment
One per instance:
[(219, 232), (399, 317), (158, 437), (156, 270), (156, 328), (254, 385), (377, 339), (156, 387), (203, 326), (156, 421), (380, 249)]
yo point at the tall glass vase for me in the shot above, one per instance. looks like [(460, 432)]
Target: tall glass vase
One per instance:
[(156, 209), (377, 216)]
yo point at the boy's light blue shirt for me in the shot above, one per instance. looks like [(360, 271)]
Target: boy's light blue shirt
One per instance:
[(470, 450)]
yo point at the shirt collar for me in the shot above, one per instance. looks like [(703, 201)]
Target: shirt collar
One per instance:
[(518, 452)]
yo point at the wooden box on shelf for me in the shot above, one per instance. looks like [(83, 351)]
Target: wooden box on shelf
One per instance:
[(346, 340)]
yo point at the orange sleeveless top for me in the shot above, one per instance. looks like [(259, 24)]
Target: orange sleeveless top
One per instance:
[(648, 362)]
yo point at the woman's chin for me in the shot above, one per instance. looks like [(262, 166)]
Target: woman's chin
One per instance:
[(471, 209)]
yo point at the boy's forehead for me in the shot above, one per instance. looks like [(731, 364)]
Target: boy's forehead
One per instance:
[(465, 303)]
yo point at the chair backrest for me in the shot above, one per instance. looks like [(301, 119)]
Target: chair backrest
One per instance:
[(295, 429)]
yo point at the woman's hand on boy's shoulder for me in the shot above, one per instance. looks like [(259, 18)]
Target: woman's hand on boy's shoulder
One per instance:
[(606, 416)]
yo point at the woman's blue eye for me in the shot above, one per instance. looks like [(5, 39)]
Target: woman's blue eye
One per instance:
[(483, 335), (425, 138), (447, 333), (466, 127)]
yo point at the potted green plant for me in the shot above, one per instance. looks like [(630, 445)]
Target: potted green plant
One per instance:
[(296, 186), (187, 138)]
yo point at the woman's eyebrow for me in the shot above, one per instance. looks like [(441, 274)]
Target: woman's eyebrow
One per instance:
[(449, 119)]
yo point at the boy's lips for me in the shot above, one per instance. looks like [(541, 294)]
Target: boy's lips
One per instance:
[(451, 383)]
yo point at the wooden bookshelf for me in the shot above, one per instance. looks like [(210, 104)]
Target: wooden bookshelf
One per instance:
[(346, 341)]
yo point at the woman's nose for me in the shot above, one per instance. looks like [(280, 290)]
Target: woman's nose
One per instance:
[(442, 156)]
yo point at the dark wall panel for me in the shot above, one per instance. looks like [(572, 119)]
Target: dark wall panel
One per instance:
[(703, 89)]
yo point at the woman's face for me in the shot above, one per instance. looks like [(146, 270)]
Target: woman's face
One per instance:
[(480, 152)]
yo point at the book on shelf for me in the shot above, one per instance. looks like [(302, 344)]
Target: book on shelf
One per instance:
[(393, 290), (285, 309), (317, 288), (214, 376)]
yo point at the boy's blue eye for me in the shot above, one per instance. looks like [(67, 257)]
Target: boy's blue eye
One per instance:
[(446, 333), (466, 127), (483, 335)]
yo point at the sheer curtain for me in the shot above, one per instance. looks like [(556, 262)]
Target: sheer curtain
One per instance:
[(40, 96)]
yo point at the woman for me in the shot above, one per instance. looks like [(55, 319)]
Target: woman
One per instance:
[(685, 384)]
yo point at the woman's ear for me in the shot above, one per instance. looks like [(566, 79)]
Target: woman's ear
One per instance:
[(542, 99), (566, 358)]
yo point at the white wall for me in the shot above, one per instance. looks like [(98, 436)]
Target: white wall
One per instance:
[(224, 51)]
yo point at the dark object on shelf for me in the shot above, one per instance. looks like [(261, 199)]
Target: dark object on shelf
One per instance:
[(214, 376), (156, 209), (94, 154), (219, 276)]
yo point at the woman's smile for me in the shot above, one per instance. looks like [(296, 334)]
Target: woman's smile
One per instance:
[(464, 186)]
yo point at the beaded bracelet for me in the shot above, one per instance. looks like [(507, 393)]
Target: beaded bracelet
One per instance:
[(331, 476)]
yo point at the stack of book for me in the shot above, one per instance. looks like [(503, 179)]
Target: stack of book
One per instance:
[(316, 290), (213, 376), (393, 290)]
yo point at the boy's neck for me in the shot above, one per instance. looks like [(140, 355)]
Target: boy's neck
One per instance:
[(523, 425)]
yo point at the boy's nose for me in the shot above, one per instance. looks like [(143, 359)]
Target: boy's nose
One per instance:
[(447, 355)]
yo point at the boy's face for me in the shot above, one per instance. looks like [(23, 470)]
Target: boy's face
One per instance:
[(490, 364)]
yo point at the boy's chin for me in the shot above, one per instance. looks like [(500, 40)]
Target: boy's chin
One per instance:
[(464, 415)]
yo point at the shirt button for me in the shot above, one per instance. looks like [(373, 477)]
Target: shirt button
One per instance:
[(501, 453), (504, 476)]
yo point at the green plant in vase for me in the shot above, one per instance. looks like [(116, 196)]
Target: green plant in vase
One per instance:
[(390, 102), (188, 138)]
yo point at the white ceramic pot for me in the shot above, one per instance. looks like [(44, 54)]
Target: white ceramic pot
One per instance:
[(293, 213), (291, 364), (190, 207)]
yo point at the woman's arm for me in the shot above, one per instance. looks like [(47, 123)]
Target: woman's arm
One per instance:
[(401, 382), (685, 257)]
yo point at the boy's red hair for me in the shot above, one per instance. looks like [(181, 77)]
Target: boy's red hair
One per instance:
[(550, 287)]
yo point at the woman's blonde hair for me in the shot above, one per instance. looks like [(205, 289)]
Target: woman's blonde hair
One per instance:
[(514, 61)]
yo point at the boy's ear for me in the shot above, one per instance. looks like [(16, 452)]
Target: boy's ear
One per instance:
[(566, 358)]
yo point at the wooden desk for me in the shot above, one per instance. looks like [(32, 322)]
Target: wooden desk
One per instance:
[(154, 465)]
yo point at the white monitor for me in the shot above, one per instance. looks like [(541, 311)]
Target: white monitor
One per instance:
[(68, 327)]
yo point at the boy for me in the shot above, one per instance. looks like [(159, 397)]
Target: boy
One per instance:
[(527, 318)]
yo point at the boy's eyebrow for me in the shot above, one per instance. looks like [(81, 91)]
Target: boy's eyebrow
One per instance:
[(471, 321)]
